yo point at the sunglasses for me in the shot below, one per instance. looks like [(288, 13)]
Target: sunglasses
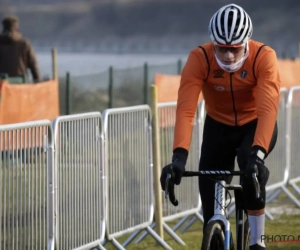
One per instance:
[(234, 50)]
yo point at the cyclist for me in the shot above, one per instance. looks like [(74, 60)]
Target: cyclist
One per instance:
[(240, 84)]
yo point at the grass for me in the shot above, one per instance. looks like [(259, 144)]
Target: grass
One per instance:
[(285, 225)]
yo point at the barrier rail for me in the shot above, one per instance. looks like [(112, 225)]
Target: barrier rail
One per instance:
[(79, 185), (278, 160), (65, 190), (293, 106), (23, 185), (188, 192), (127, 133)]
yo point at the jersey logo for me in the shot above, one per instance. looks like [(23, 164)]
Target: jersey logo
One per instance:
[(219, 88), (244, 74), (218, 73)]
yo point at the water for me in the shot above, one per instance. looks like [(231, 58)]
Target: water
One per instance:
[(88, 63)]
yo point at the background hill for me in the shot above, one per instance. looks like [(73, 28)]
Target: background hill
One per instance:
[(146, 25)]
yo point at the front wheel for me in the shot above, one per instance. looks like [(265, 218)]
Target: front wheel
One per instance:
[(213, 237)]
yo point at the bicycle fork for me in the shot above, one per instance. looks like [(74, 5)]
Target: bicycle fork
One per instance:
[(219, 210)]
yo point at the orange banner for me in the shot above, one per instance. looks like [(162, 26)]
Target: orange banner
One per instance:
[(289, 73), (29, 102), (167, 91), (167, 85)]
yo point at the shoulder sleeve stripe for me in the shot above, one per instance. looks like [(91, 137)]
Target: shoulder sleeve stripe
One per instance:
[(253, 68), (208, 65)]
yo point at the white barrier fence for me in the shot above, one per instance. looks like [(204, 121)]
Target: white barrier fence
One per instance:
[(190, 202), (79, 182), (293, 135), (67, 184), (23, 185), (127, 133)]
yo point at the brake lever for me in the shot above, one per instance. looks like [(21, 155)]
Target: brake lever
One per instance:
[(169, 188), (169, 176)]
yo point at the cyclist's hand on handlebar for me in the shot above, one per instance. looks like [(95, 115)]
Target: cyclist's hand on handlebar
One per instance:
[(256, 165), (176, 168)]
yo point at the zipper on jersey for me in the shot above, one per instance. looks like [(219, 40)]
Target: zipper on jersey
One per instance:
[(232, 97)]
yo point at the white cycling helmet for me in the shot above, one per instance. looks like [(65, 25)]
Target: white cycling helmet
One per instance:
[(230, 26)]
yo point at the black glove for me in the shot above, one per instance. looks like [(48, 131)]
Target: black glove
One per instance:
[(178, 167), (256, 165)]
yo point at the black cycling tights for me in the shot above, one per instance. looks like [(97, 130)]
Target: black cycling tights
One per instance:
[(221, 144)]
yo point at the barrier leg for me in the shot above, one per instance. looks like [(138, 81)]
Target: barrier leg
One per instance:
[(173, 234), (269, 215), (115, 243), (291, 196), (168, 230), (152, 233), (144, 234), (131, 238), (101, 247), (296, 188), (271, 192), (192, 221), (179, 223), (273, 195), (158, 239)]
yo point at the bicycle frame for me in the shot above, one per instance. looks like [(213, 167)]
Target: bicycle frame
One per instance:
[(219, 213), (238, 193), (220, 201)]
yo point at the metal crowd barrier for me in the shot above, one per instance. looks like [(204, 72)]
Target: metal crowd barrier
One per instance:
[(293, 105), (197, 216), (128, 150), (277, 161), (23, 185), (188, 194), (92, 177), (79, 184)]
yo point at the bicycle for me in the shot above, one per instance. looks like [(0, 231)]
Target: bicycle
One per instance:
[(217, 234)]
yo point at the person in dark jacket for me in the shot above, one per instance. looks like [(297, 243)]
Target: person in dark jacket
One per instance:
[(16, 53)]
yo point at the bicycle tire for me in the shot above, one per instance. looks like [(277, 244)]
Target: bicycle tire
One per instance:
[(213, 237)]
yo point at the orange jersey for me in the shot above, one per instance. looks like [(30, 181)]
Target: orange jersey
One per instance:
[(230, 98)]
